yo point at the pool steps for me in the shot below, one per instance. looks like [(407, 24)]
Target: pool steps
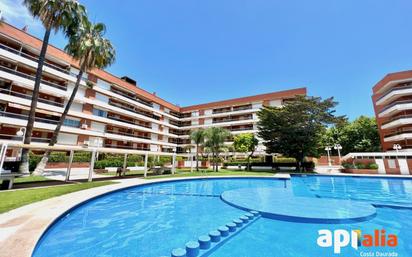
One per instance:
[(207, 244)]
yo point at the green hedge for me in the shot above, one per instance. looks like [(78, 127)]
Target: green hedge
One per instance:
[(370, 166), (102, 164)]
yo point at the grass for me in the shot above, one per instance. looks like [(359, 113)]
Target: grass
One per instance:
[(209, 172), (13, 199), (30, 179)]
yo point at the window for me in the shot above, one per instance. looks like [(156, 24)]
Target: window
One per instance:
[(100, 113), (72, 123), (102, 98)]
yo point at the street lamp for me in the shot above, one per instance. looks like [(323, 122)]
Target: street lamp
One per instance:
[(21, 133), (338, 147), (328, 149), (397, 147)]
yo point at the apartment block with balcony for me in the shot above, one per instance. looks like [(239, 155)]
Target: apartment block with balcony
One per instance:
[(392, 100), (108, 111)]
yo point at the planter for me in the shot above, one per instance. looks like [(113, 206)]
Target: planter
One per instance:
[(361, 171)]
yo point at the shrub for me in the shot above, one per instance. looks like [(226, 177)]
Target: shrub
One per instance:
[(284, 160), (373, 166), (348, 165), (360, 166)]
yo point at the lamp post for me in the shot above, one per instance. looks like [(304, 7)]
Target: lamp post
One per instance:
[(338, 147), (21, 133), (397, 147), (328, 149)]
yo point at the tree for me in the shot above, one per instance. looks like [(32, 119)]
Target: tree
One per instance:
[(295, 129), (214, 141), (92, 50), (198, 137), (361, 135), (54, 15), (246, 143)]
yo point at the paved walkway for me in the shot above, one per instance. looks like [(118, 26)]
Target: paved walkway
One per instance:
[(75, 174)]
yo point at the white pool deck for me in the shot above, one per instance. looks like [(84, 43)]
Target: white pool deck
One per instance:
[(21, 228)]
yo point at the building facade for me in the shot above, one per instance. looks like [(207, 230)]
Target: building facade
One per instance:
[(108, 111), (392, 101)]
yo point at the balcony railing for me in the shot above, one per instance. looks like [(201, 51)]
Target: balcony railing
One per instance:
[(240, 129), (400, 87), (32, 58), (134, 110), (25, 117), (26, 76), (221, 111), (127, 134), (230, 120), (17, 138), (397, 118), (29, 97), (130, 97), (127, 147), (398, 133), (242, 108), (127, 121), (395, 103)]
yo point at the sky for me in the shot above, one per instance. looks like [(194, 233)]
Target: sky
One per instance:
[(191, 51)]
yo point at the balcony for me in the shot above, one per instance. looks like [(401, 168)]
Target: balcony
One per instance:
[(25, 117), (17, 138), (394, 89), (152, 116), (127, 134), (127, 121), (242, 108), (232, 119), (216, 111), (404, 131), (395, 103), (29, 97), (408, 116), (131, 97), (130, 147), (34, 59), (26, 76), (240, 129)]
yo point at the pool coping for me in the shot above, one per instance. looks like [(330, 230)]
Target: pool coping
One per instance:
[(22, 228)]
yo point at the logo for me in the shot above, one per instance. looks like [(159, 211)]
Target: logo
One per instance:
[(342, 238)]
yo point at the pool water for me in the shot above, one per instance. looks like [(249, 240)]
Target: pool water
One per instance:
[(151, 220)]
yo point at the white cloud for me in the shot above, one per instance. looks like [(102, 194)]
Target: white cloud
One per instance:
[(13, 11)]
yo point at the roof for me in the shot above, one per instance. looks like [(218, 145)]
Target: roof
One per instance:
[(248, 99), (392, 77)]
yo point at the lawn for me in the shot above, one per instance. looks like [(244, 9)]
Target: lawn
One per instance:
[(13, 199), (30, 179), (209, 172)]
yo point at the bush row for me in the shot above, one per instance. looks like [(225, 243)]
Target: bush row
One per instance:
[(371, 165)]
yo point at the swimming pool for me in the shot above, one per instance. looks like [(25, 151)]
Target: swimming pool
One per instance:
[(154, 219)]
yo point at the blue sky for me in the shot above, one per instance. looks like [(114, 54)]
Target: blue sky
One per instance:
[(191, 51)]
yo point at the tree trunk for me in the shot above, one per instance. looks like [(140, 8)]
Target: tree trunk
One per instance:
[(197, 157), (24, 165), (42, 164)]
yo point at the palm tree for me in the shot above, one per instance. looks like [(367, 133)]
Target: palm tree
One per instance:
[(215, 139), (92, 50), (54, 15), (198, 137)]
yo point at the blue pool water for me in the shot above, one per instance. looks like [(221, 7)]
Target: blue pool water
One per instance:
[(152, 220)]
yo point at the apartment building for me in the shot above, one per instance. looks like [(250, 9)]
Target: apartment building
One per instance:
[(108, 111), (392, 101)]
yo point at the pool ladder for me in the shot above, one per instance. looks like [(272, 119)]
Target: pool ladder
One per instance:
[(206, 244)]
